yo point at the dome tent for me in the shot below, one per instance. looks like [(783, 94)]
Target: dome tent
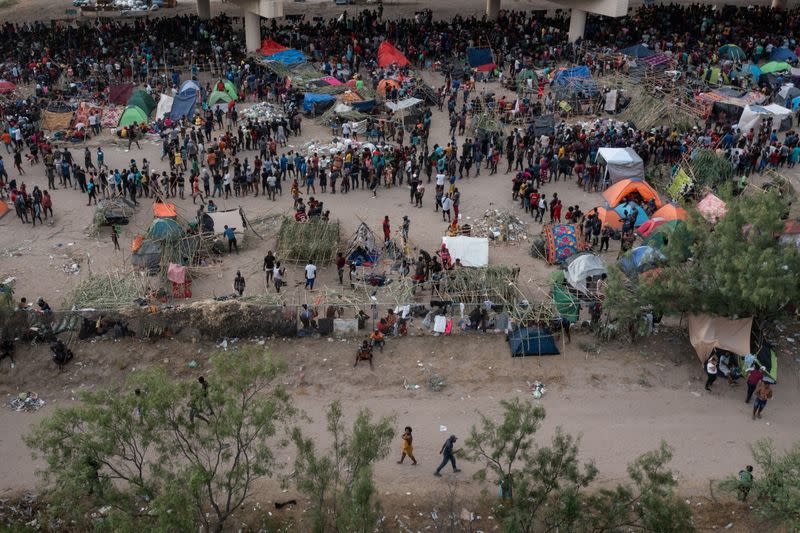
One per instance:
[(165, 229), (132, 115), (219, 97)]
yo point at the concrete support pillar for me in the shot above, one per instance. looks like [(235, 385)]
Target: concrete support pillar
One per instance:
[(252, 31), (778, 4), (577, 24), (492, 8), (204, 9)]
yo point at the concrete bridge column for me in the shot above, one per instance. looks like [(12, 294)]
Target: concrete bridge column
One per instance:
[(577, 24), (492, 8), (252, 31), (204, 9), (778, 4)]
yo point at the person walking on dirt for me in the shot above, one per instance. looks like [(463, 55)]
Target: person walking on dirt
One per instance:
[(238, 283), (448, 456), (408, 449), (763, 395)]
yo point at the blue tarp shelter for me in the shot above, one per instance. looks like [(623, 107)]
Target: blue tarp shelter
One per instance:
[(363, 105), (783, 54), (562, 77), (640, 259), (288, 57), (638, 51), (189, 85), (532, 341), (183, 104), (309, 99), (477, 57), (641, 216)]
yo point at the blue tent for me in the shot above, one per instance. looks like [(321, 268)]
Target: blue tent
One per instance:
[(288, 57), (562, 77), (640, 259), (189, 85), (755, 71), (478, 57), (363, 105), (183, 104), (309, 99), (637, 50), (532, 341), (795, 103), (783, 54), (164, 229), (641, 216)]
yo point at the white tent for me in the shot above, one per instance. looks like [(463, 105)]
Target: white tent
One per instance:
[(164, 106), (582, 266), (621, 163), (403, 104), (472, 251), (753, 115)]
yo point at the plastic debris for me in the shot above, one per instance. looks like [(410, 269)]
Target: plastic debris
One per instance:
[(500, 226), (25, 401)]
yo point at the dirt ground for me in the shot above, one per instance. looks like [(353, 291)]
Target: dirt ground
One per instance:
[(623, 400)]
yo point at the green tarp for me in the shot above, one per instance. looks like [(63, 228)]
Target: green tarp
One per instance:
[(567, 304)]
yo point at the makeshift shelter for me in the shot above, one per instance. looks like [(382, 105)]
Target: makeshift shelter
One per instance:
[(712, 208), (402, 105), (164, 106), (753, 115), (231, 218), (132, 115), (219, 98), (671, 212), (620, 163), (385, 85), (166, 229), (607, 217), (532, 341), (648, 227), (641, 259), (568, 306), (581, 266), (147, 256), (120, 94), (563, 76), (315, 240), (188, 86), (288, 57), (561, 241), (626, 208), (622, 190), (164, 210), (389, 55), (731, 51), (775, 66), (471, 251), (783, 54), (7, 87), (363, 249), (707, 332), (637, 51), (142, 100), (231, 89), (53, 121), (481, 58), (183, 105), (318, 101), (4, 209), (269, 47)]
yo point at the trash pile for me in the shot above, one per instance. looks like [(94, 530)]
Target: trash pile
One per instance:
[(25, 401), (500, 226), (339, 146), (537, 389), (263, 112)]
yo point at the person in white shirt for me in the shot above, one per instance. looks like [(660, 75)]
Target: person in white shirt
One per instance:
[(311, 275), (447, 203), (440, 179)]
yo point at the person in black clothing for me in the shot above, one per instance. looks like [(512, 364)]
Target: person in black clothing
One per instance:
[(269, 265), (447, 455)]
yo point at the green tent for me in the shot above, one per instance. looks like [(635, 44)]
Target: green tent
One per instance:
[(141, 99), (231, 89), (164, 229), (775, 66), (219, 97), (527, 74), (731, 51), (567, 304), (132, 115)]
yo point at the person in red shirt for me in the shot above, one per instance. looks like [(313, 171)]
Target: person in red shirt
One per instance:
[(753, 378), (387, 229), (340, 264), (557, 212)]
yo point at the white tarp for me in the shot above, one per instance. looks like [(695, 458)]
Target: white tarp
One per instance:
[(584, 266), (164, 106), (342, 108), (359, 127), (230, 218), (752, 115), (621, 163), (611, 101), (472, 251), (403, 104)]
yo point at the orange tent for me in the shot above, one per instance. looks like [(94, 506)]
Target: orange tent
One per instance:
[(608, 217), (389, 55), (671, 212), (383, 84), (616, 194), (3, 208), (164, 210)]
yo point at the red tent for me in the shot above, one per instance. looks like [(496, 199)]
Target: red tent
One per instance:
[(6, 87), (388, 55), (486, 68), (269, 47), (120, 94)]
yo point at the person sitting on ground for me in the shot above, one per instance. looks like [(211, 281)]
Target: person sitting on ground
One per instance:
[(387, 324), (211, 207), (307, 317), (364, 353), (377, 339)]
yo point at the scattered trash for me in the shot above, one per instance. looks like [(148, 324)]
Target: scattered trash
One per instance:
[(410, 386), (730, 525), (537, 389), (436, 382), (501, 226), (25, 401), (442, 429), (193, 364)]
